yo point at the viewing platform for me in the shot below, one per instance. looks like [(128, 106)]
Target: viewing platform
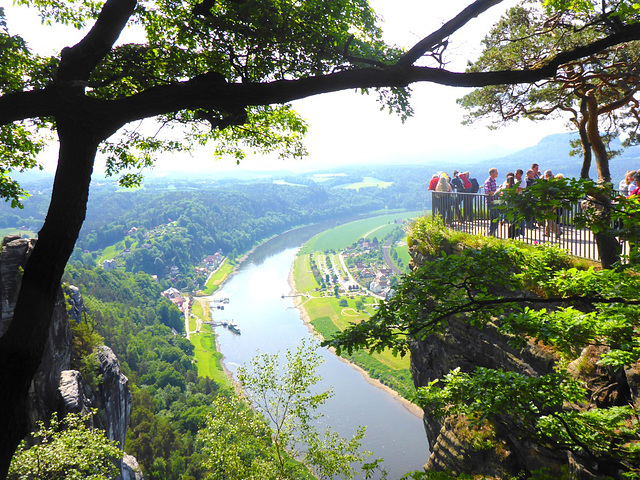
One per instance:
[(470, 213)]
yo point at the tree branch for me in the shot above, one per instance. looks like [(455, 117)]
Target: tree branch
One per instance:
[(423, 46), (79, 61)]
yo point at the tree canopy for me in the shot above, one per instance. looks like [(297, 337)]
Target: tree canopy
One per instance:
[(597, 93), (223, 70)]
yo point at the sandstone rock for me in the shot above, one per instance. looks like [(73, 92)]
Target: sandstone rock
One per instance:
[(55, 387), (130, 468)]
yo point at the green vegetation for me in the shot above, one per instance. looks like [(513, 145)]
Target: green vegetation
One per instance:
[(342, 236), (66, 449), (208, 359), (215, 280), (367, 182), (284, 393), (17, 231), (331, 314), (534, 295)]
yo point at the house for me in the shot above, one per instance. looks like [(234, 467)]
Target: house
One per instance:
[(109, 264), (171, 293), (366, 273)]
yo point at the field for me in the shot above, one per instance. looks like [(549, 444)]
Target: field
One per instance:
[(208, 359), (15, 231), (342, 236), (329, 317), (215, 280), (366, 183)]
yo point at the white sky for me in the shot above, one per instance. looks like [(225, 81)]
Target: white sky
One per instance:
[(349, 128)]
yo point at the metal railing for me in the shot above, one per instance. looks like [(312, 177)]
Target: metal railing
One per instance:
[(476, 214)]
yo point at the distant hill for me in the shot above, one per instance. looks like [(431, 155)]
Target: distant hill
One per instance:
[(552, 152)]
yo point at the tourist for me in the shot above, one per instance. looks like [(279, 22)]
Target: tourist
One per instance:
[(634, 188), (626, 183), (434, 181), (490, 189), (536, 171), (442, 198), (531, 177), (521, 183), (548, 175), (458, 186), (467, 197), (550, 224)]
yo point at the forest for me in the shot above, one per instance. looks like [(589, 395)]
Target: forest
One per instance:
[(225, 73)]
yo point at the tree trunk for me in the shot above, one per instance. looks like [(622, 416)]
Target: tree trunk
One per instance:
[(584, 139), (597, 145), (608, 245), (22, 345)]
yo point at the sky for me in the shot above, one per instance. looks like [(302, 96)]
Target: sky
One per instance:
[(348, 127)]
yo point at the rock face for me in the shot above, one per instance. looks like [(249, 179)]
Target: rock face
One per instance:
[(55, 387)]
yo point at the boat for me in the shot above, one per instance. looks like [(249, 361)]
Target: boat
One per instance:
[(233, 327)]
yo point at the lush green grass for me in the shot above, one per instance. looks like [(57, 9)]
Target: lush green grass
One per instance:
[(403, 252), (208, 360), (215, 280), (112, 251), (345, 235), (16, 231), (302, 277), (328, 317), (200, 308)]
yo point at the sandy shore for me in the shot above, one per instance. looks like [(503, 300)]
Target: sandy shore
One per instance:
[(304, 315)]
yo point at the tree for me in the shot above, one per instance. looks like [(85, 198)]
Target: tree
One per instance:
[(598, 92), (532, 297), (222, 71), (67, 449), (240, 444)]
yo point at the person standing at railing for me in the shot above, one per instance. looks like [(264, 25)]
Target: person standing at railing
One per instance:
[(467, 199), (444, 199), (434, 181), (490, 189), (535, 168), (458, 187), (551, 224), (521, 183), (626, 183)]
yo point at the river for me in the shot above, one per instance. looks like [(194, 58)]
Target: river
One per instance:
[(270, 323)]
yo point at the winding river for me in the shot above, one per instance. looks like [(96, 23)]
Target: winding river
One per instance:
[(271, 323)]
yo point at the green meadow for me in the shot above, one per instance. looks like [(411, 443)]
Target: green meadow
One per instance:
[(208, 359), (326, 314), (342, 236), (219, 276)]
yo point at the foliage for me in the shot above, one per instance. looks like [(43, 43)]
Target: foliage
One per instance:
[(67, 449), (227, 41), (597, 93), (236, 442), (533, 297), (169, 401), (285, 396)]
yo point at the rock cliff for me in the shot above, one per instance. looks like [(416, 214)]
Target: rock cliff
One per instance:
[(55, 387)]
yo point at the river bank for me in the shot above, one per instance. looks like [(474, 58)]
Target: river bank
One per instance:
[(299, 300)]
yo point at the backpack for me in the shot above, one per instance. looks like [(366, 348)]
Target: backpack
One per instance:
[(457, 184), (474, 185)]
